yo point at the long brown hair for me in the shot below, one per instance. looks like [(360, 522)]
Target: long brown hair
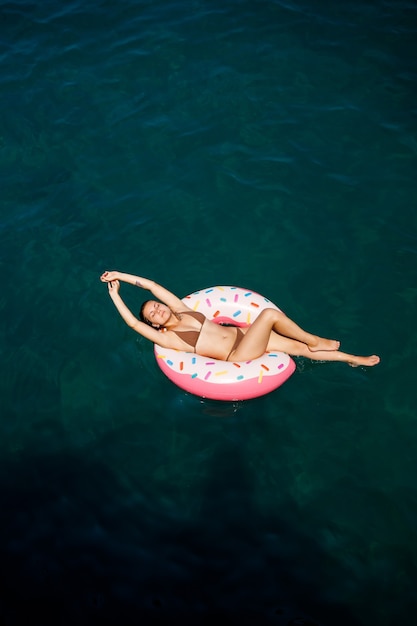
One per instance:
[(142, 315)]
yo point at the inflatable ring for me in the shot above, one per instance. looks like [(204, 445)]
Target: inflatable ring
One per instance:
[(226, 380)]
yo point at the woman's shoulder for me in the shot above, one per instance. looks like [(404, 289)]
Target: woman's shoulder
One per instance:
[(181, 308), (198, 315)]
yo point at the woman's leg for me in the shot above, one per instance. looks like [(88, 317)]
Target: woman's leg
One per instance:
[(283, 325), (259, 338), (330, 355)]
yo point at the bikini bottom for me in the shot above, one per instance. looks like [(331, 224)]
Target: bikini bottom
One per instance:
[(239, 337)]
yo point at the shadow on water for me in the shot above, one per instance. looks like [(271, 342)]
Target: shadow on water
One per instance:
[(80, 546)]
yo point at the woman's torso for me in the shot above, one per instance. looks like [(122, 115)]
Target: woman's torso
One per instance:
[(196, 333)]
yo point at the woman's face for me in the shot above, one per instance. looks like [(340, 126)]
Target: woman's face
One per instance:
[(157, 313)]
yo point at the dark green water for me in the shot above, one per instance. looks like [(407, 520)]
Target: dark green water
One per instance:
[(270, 145)]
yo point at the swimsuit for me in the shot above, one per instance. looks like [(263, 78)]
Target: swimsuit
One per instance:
[(239, 337), (191, 336)]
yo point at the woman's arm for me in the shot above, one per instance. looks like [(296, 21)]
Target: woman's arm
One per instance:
[(145, 283), (126, 314), (158, 291)]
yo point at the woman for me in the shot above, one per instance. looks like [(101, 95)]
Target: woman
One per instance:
[(169, 323)]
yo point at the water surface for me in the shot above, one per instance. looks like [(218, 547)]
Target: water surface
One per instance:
[(270, 145)]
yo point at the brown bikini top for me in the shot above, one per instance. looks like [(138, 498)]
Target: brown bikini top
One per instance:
[(191, 336)]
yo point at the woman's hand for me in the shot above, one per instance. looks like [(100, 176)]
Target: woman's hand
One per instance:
[(108, 277), (113, 287)]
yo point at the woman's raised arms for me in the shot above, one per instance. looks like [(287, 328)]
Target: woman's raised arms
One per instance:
[(162, 339), (162, 294)]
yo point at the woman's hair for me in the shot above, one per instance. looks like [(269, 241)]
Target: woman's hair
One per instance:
[(142, 316)]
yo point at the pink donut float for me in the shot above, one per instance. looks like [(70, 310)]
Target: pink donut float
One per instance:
[(226, 380)]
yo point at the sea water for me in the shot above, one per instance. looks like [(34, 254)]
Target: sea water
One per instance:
[(260, 143)]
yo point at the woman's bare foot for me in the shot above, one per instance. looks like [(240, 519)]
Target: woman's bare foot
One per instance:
[(364, 360), (318, 343)]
